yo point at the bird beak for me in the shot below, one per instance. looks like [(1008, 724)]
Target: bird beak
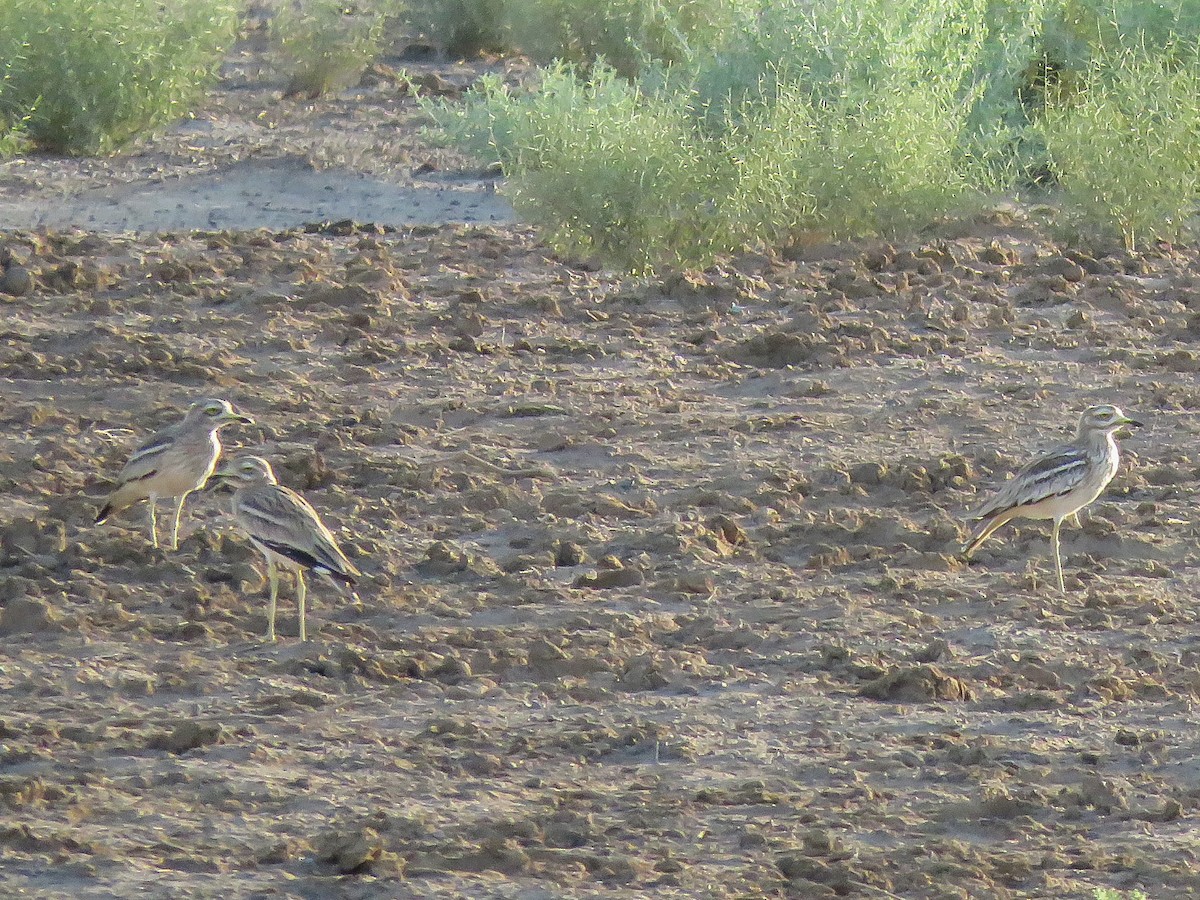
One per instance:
[(1133, 423), (215, 481), (240, 419)]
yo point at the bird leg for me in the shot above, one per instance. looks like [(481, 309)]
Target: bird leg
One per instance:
[(301, 595), (273, 579), (1057, 556), (175, 525), (153, 501)]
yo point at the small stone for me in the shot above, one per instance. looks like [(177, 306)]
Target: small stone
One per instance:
[(642, 674), (568, 553), (189, 736), (442, 559), (1103, 794), (871, 473), (730, 531), (932, 652), (16, 281), (695, 583), (24, 615), (482, 764), (348, 850), (919, 684), (611, 578)]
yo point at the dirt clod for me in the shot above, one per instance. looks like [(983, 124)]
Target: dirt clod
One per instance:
[(917, 684)]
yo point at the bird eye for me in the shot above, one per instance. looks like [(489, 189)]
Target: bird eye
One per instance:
[(212, 410)]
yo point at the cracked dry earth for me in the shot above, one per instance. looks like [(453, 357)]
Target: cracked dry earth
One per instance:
[(661, 595)]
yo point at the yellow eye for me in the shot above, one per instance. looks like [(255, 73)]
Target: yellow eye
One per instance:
[(212, 410)]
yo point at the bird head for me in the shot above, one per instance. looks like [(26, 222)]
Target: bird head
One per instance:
[(246, 470)]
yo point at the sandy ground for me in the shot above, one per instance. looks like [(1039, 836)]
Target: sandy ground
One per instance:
[(661, 595)]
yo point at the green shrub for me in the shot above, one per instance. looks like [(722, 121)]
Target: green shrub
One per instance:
[(1080, 32), (324, 45), (463, 28), (623, 33), (1123, 145), (872, 118), (601, 167), (14, 126), (849, 121), (89, 75), (859, 121)]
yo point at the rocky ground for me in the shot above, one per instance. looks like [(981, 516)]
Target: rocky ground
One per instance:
[(661, 592)]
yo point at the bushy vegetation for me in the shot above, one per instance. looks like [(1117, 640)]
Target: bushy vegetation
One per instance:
[(852, 121), (625, 34), (324, 45), (1123, 146), (839, 119), (463, 27), (85, 76)]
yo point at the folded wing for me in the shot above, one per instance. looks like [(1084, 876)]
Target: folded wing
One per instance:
[(1058, 472), (280, 520)]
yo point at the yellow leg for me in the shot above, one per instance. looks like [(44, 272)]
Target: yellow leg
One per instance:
[(273, 579), (301, 594), (175, 525), (153, 501), (1057, 556)]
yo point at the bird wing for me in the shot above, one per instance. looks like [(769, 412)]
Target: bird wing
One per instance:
[(1049, 475), (144, 461), (284, 522)]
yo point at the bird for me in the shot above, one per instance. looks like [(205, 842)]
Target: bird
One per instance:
[(1058, 483), (174, 462), (286, 530)]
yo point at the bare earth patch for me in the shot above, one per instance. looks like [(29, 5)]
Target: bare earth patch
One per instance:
[(661, 594)]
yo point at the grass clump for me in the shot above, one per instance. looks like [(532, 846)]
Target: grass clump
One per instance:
[(86, 76), (325, 45), (1122, 147)]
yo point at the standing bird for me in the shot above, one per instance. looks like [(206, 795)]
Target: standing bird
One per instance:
[(176, 461), (1058, 483), (286, 530)]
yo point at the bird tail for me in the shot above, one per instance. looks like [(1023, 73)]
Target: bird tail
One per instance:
[(102, 516), (344, 581), (977, 537), (985, 528)]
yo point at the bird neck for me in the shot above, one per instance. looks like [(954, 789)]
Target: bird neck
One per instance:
[(1094, 439)]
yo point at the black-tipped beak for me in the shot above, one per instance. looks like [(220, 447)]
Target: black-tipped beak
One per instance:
[(242, 420), (1133, 423)]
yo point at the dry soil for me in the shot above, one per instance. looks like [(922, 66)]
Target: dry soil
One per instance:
[(661, 591)]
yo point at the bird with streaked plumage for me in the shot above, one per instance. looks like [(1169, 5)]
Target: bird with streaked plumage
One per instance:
[(1058, 483), (286, 530), (174, 462)]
